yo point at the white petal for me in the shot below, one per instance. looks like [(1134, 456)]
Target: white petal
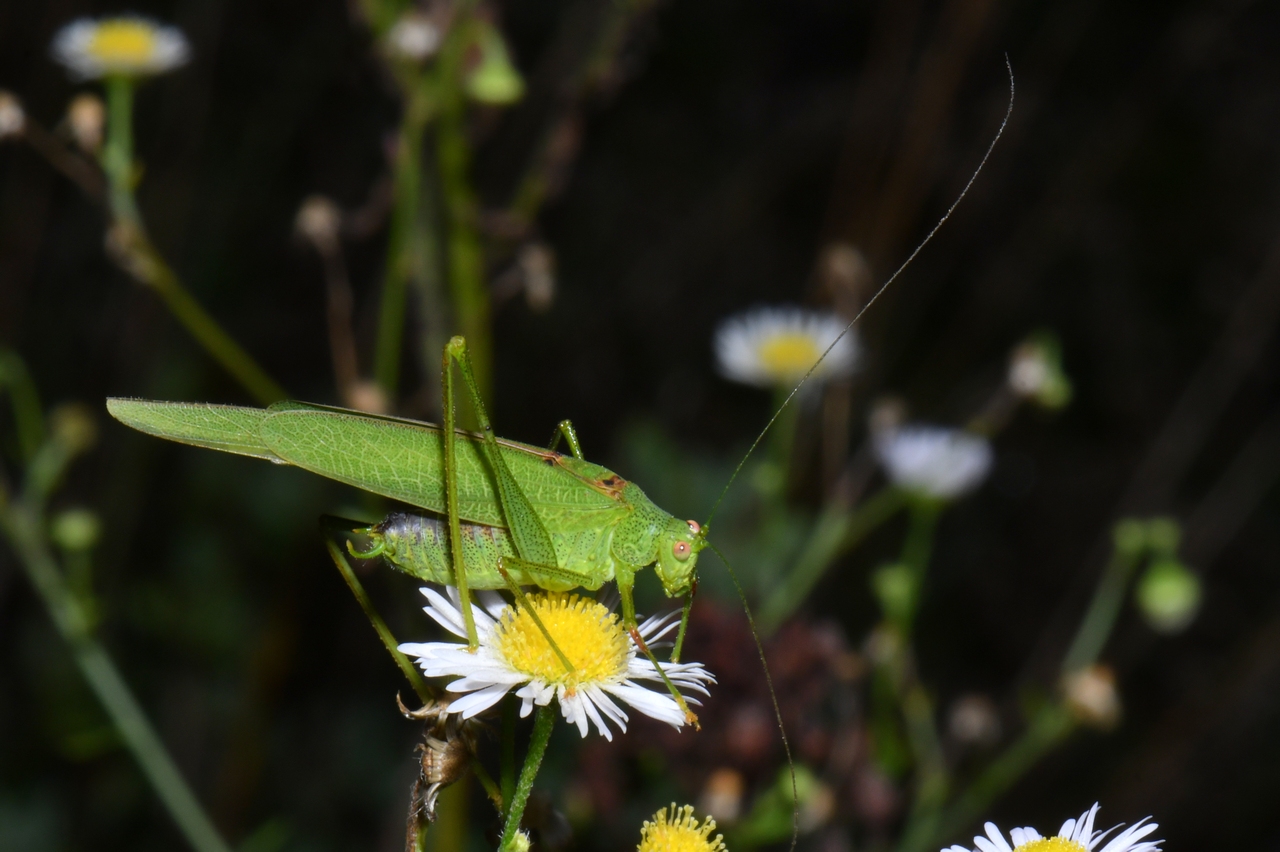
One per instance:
[(477, 702)]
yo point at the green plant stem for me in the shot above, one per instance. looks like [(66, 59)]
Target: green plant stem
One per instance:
[(407, 181), (465, 257), (1100, 618), (837, 530), (932, 780), (117, 152), (134, 252), (544, 719), (425, 693), (508, 770), (1050, 726), (27, 414), (22, 527)]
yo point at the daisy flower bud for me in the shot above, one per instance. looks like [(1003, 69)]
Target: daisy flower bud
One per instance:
[(1091, 694), (13, 119), (1035, 373), (86, 117), (127, 46), (494, 79), (1168, 596)]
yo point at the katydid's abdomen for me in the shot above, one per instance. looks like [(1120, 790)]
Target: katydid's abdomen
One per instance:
[(418, 546)]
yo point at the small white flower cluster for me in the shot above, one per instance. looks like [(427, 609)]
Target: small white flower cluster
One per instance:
[(776, 347), (934, 461)]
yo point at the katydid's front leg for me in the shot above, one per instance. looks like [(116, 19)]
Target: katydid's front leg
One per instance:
[(626, 578)]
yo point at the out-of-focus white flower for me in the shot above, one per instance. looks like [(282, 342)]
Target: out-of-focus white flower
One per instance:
[(86, 117), (1092, 696), (514, 653), (1076, 835), (13, 119), (934, 461), (414, 37), (128, 46), (775, 347)]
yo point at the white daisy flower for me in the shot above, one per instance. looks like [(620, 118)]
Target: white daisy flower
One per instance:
[(128, 46), (514, 653), (771, 347), (934, 461), (1076, 835)]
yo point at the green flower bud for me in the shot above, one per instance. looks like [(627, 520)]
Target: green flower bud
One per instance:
[(1169, 596), (76, 530), (1130, 537), (494, 79), (895, 588)]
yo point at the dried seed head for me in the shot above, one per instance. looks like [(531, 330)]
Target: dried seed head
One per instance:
[(1091, 695), (86, 117), (319, 221), (13, 119)]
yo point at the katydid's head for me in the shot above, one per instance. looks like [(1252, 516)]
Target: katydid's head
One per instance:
[(678, 548)]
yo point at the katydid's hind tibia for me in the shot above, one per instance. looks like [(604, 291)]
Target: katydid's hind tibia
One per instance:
[(795, 814)]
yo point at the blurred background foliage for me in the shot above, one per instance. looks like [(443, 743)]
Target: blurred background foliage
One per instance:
[(1131, 208)]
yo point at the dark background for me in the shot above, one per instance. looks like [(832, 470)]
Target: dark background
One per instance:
[(1131, 207)]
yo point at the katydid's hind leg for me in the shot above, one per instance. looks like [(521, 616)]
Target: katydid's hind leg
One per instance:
[(566, 431), (450, 445), (626, 584)]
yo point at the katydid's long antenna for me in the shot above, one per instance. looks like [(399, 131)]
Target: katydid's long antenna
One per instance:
[(773, 697), (885, 286)]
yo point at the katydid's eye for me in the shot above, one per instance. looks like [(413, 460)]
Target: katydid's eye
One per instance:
[(694, 527), (681, 550)]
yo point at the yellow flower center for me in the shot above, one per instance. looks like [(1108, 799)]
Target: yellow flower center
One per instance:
[(587, 633), (1051, 844), (123, 42), (789, 354), (675, 830)]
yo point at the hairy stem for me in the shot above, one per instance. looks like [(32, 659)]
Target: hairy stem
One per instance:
[(543, 721)]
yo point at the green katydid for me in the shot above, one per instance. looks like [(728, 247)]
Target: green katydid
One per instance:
[(520, 515)]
